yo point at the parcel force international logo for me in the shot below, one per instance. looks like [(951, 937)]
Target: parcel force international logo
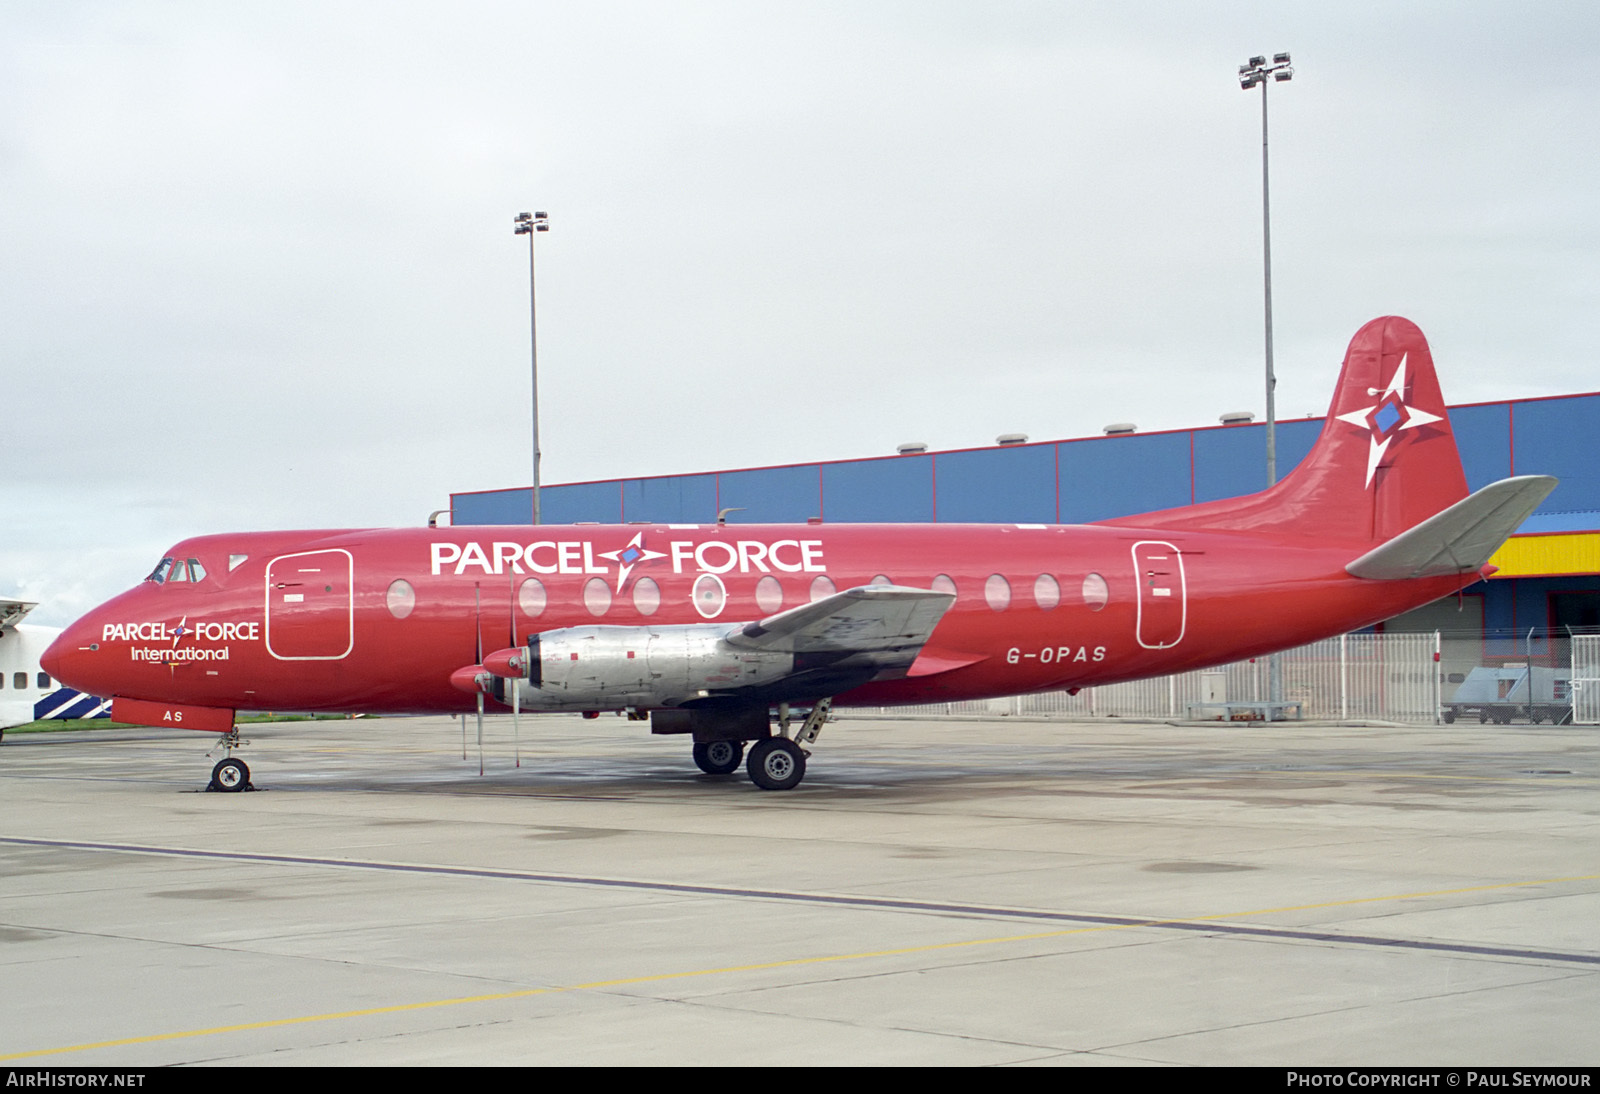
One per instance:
[(1389, 418)]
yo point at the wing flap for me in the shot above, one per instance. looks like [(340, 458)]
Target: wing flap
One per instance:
[(1459, 539)]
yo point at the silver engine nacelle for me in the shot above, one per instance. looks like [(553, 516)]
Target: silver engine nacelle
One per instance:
[(609, 668)]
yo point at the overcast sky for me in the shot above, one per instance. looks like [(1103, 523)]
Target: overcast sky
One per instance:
[(259, 271)]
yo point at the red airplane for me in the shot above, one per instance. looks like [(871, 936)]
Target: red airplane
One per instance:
[(721, 631)]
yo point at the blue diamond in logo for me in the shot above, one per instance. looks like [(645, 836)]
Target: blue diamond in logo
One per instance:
[(1387, 417)]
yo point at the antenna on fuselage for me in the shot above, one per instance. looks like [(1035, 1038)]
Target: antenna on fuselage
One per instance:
[(722, 514)]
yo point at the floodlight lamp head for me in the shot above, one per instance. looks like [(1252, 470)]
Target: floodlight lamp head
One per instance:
[(1280, 58), (540, 216), (1283, 74), (1257, 62), (1247, 82), (522, 217)]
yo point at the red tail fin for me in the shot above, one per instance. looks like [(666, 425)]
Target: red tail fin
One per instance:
[(1386, 459)]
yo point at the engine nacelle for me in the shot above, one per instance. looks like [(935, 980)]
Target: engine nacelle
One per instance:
[(608, 668)]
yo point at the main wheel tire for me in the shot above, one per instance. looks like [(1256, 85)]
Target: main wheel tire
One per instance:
[(1449, 716), (230, 776), (776, 763), (719, 757)]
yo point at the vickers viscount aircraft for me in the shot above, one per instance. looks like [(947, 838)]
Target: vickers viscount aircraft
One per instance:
[(751, 633)]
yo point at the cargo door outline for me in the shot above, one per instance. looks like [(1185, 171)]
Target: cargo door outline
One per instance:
[(1163, 597), (310, 606)]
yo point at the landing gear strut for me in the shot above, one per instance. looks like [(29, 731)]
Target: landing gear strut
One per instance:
[(231, 775)]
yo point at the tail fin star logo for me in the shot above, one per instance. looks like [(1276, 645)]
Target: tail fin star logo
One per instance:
[(1389, 417)]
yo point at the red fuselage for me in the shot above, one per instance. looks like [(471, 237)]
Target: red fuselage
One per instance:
[(378, 620)]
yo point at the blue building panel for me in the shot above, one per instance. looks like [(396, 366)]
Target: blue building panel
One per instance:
[(1553, 437), (1229, 462), (771, 495), (492, 507), (1296, 438), (673, 499), (1483, 437), (1233, 461), (898, 490), (997, 485), (1120, 476), (600, 502)]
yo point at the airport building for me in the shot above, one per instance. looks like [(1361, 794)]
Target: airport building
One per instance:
[(1547, 587)]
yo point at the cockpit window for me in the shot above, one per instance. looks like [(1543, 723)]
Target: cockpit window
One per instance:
[(197, 572), (159, 574), (235, 561), (179, 572)]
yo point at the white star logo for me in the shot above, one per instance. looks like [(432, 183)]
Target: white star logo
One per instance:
[(627, 557), (1388, 417)]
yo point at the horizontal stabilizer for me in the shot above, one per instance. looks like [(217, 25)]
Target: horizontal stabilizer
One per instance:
[(1461, 538), (12, 611), (870, 618)]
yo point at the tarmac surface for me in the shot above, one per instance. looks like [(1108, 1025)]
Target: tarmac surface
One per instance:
[(948, 891)]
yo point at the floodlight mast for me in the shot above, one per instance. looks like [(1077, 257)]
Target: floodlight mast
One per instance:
[(526, 224), (1252, 72)]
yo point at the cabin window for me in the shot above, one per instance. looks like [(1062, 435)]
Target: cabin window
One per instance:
[(401, 598), (997, 592), (531, 598), (1046, 592), (769, 594), (44, 680), (1095, 592), (944, 583), (822, 586), (597, 596), (646, 596), (19, 681), (709, 595)]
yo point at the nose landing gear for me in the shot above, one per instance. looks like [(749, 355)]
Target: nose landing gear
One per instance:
[(231, 775)]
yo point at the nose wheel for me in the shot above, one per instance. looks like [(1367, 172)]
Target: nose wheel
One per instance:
[(230, 776)]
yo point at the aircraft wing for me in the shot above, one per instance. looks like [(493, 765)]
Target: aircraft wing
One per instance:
[(1459, 539), (885, 626), (12, 611)]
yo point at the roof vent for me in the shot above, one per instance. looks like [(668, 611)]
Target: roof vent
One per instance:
[(1011, 438), (1238, 417), (911, 448), (1118, 429)]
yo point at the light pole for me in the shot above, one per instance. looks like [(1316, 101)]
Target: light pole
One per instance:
[(1253, 72), (526, 225)]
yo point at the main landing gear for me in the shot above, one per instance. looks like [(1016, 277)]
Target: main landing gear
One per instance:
[(779, 762), (719, 757), (231, 775)]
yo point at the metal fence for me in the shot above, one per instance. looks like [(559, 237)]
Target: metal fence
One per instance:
[(1369, 677), (1586, 679)]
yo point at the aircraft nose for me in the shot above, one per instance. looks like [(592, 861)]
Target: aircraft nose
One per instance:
[(72, 656)]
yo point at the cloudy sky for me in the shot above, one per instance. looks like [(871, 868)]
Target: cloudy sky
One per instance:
[(258, 267)]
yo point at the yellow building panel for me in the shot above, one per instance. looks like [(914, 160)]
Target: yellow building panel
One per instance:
[(1540, 556)]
